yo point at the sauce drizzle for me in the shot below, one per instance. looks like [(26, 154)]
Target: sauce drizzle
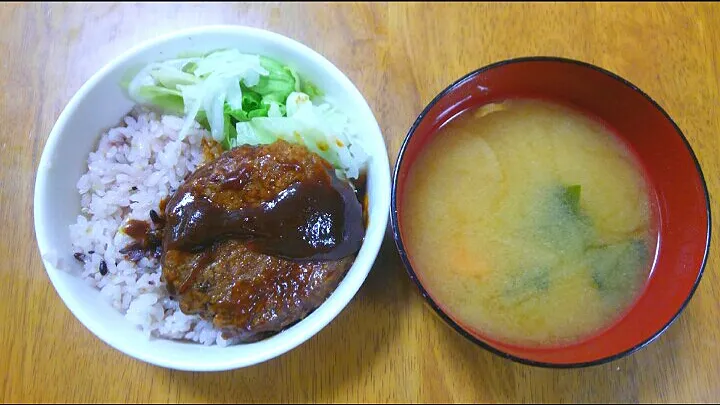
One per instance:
[(317, 219)]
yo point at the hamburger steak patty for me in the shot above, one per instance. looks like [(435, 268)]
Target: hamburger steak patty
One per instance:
[(259, 237), (247, 293)]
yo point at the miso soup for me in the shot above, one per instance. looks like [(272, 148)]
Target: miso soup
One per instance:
[(530, 223)]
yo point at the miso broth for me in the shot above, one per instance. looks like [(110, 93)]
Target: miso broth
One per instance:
[(529, 222)]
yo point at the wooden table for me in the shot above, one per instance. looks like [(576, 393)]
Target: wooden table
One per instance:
[(386, 345)]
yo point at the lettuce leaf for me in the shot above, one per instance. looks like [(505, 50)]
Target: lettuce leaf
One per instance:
[(251, 100), (279, 82), (166, 99), (223, 88), (322, 129), (310, 89), (229, 133)]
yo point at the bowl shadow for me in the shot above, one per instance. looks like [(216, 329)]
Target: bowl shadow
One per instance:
[(330, 364), (497, 379)]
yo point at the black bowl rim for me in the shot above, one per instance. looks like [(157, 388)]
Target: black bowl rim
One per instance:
[(408, 267)]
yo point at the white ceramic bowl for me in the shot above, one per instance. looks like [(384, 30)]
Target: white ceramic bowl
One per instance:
[(99, 105)]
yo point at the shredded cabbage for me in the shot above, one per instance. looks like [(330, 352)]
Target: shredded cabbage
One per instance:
[(249, 99), (321, 128)]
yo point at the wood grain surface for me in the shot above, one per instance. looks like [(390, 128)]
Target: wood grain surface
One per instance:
[(386, 345)]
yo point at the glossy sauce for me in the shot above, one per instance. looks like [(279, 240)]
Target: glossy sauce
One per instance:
[(318, 219), (360, 185), (147, 242), (136, 229)]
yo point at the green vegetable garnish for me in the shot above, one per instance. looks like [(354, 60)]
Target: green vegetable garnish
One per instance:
[(189, 67), (571, 198), (230, 135), (245, 98), (279, 82), (171, 78), (310, 89), (166, 99), (235, 115), (201, 118), (614, 268), (559, 224), (526, 285), (273, 98), (259, 112), (238, 115), (251, 100)]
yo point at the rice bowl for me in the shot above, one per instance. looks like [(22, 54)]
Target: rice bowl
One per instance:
[(144, 137)]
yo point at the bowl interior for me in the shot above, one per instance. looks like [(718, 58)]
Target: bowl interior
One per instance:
[(99, 105), (672, 170)]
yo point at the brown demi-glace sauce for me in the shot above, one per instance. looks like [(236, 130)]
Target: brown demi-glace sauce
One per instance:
[(316, 217)]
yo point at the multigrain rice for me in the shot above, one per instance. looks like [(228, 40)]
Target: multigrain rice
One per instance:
[(134, 167)]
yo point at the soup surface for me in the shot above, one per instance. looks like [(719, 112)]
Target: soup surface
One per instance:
[(529, 223)]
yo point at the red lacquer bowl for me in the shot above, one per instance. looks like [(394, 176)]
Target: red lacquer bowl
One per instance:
[(672, 170)]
